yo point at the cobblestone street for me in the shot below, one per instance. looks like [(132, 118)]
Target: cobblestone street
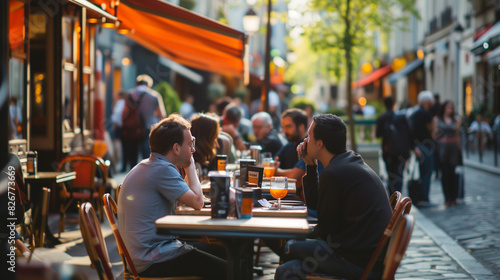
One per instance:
[(474, 224)]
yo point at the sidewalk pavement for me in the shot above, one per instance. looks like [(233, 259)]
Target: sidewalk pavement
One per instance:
[(473, 223), (485, 163)]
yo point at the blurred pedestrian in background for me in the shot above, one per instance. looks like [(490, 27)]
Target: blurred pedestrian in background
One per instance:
[(482, 132), (448, 150), (422, 125), (396, 144), (116, 120), (187, 108)]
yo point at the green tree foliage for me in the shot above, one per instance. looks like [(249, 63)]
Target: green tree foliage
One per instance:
[(340, 30), (301, 102), (170, 97)]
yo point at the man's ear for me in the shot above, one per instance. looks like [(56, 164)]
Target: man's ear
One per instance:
[(176, 148), (320, 144)]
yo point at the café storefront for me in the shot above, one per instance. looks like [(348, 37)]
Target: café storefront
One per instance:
[(51, 70)]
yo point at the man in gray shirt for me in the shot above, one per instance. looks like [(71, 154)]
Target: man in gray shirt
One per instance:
[(150, 191)]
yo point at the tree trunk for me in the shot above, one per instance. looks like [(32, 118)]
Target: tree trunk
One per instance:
[(348, 60)]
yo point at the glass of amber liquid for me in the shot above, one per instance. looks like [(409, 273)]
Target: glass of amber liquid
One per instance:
[(269, 167), (279, 188)]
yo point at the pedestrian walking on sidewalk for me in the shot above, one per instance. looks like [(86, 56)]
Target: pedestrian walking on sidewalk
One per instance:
[(396, 144), (422, 125), (447, 135)]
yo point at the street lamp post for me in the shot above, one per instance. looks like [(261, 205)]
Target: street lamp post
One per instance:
[(267, 75), (458, 37), (251, 25)]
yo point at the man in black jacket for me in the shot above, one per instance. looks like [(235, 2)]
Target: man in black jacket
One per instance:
[(396, 144), (352, 204)]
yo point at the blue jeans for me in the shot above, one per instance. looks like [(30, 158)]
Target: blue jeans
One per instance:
[(426, 166), (314, 256)]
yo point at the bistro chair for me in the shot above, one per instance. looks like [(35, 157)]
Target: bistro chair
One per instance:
[(94, 241), (41, 218), (117, 192), (86, 187), (395, 199), (110, 209), (398, 245), (403, 208)]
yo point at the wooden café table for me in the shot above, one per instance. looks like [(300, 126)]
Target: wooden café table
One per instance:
[(35, 185), (236, 234)]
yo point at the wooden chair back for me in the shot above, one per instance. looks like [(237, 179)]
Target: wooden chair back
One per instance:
[(117, 191), (403, 207), (111, 210), (398, 245), (87, 186), (395, 199), (86, 168), (94, 241)]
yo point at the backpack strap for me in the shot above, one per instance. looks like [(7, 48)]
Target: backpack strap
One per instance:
[(135, 103)]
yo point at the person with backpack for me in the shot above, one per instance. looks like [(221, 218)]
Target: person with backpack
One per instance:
[(143, 108), (396, 144)]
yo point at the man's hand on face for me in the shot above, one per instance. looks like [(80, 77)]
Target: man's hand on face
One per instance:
[(191, 167), (302, 151)]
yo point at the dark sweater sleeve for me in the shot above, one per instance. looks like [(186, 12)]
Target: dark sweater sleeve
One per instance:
[(310, 186)]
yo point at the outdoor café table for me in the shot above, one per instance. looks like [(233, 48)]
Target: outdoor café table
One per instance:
[(293, 212), (35, 185), (236, 234), (266, 185)]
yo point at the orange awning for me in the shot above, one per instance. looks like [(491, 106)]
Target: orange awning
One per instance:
[(183, 36), (375, 75)]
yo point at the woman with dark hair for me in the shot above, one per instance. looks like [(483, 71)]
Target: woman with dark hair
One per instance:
[(205, 128), (447, 136)]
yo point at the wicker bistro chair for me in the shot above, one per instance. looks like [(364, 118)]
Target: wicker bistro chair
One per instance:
[(395, 199), (94, 242), (86, 187), (398, 245), (110, 209), (401, 209)]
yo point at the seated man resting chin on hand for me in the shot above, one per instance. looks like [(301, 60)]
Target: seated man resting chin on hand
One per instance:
[(151, 191), (352, 205)]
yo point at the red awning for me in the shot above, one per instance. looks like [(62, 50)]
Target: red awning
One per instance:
[(375, 75), (16, 26), (183, 36)]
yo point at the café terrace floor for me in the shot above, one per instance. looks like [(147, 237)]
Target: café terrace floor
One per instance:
[(424, 259), (432, 254)]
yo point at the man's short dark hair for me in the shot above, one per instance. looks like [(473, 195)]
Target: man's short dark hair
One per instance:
[(388, 102), (165, 133), (332, 131), (233, 113), (298, 116)]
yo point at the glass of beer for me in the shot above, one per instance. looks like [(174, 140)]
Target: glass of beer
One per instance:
[(269, 167), (279, 188)]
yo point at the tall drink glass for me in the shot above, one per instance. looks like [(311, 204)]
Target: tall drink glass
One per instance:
[(279, 188)]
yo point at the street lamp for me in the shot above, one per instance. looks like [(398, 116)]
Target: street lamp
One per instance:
[(251, 21), (251, 24), (458, 38)]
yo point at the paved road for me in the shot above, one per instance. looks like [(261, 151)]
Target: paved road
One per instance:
[(474, 224)]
